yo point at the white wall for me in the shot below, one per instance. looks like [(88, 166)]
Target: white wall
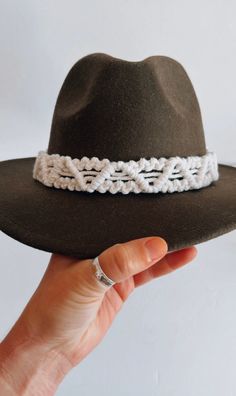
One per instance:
[(177, 335)]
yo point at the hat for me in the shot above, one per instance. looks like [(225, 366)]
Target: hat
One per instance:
[(126, 159)]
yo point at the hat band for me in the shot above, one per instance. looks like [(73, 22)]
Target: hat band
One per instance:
[(154, 175)]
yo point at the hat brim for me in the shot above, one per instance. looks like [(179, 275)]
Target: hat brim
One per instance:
[(83, 224)]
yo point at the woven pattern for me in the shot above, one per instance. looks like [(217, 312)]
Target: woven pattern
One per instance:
[(154, 175)]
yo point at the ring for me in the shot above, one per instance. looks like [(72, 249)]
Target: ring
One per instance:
[(100, 275)]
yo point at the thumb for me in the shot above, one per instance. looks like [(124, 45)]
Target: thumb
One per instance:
[(123, 260)]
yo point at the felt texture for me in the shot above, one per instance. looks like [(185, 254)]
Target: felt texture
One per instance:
[(120, 110)]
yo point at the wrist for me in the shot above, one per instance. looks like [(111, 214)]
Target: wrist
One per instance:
[(28, 366)]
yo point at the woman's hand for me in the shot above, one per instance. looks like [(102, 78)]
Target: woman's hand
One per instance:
[(71, 310)]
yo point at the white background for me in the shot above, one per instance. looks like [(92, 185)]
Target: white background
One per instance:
[(177, 335)]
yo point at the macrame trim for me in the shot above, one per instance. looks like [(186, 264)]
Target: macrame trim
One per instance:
[(154, 175)]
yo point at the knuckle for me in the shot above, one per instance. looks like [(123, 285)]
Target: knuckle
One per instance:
[(168, 263), (121, 259)]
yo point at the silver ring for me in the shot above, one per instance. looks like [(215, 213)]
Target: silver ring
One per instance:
[(100, 275)]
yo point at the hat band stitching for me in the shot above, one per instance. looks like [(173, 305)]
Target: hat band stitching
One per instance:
[(154, 175)]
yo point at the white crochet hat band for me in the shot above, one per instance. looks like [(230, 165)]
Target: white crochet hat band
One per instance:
[(154, 175)]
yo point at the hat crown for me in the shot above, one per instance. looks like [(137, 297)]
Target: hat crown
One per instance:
[(121, 110)]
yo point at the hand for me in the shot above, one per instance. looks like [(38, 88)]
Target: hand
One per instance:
[(71, 311)]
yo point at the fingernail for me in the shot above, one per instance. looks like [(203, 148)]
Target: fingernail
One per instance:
[(154, 248)]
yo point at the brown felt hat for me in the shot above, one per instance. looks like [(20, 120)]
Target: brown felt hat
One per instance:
[(121, 111)]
